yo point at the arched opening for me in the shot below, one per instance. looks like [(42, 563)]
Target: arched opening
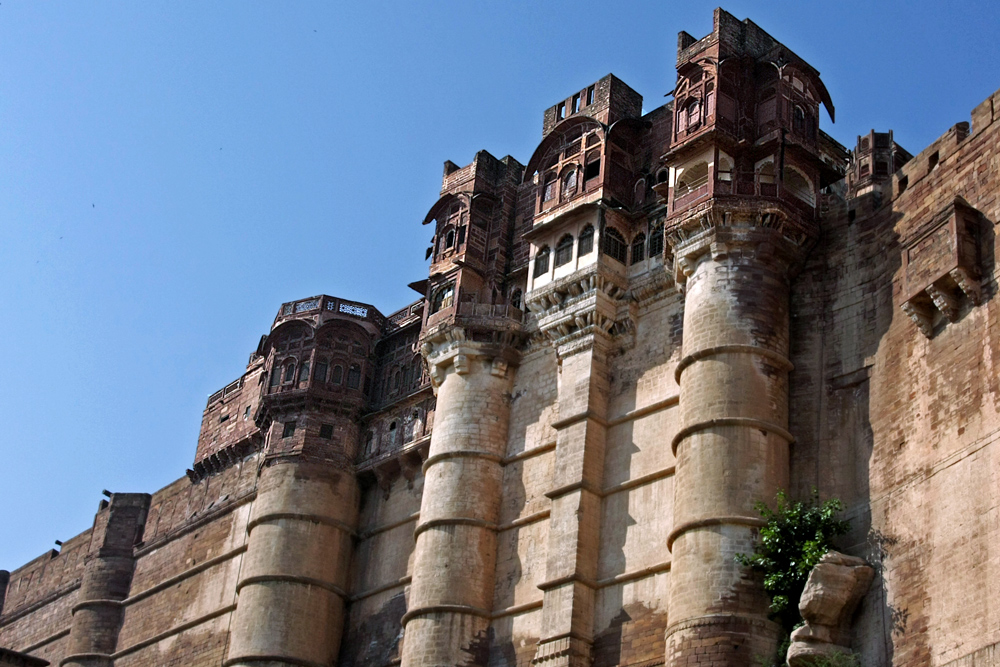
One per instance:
[(354, 377), (319, 374), (541, 262), (690, 179), (569, 183), (289, 372), (614, 245), (638, 248), (656, 241), (564, 251), (516, 298), (585, 245), (443, 298), (338, 375), (392, 433), (797, 184)]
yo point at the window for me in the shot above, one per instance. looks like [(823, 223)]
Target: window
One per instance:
[(693, 111), (798, 185), (275, 377), (304, 372), (289, 430), (586, 243), (246, 413), (638, 248), (395, 380), (449, 239), (443, 298), (569, 183), (656, 241), (289, 373), (865, 169), (564, 250), (515, 299), (881, 168), (338, 375), (662, 176), (549, 190), (798, 119), (590, 96), (392, 433), (903, 183), (593, 168), (541, 262), (932, 161), (766, 173), (576, 102), (691, 178), (326, 431), (561, 110), (369, 441), (354, 377), (319, 375), (461, 235), (614, 245)]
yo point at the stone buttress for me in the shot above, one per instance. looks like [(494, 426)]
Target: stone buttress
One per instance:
[(454, 560)]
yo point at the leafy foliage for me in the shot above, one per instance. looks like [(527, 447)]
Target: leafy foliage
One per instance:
[(796, 536)]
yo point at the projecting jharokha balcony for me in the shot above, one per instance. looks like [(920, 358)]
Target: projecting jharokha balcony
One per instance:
[(795, 192)]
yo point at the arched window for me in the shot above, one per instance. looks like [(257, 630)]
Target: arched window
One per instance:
[(638, 248), (354, 377), (662, 176), (449, 239), (319, 375), (392, 433), (569, 183), (337, 376), (564, 250), (443, 298), (586, 242), (289, 372), (614, 245), (724, 168), (395, 380), (765, 174), (691, 178), (798, 119), (549, 189), (796, 183), (656, 241), (541, 262), (304, 372), (515, 298), (693, 111)]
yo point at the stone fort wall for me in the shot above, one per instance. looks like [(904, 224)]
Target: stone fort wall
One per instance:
[(892, 404)]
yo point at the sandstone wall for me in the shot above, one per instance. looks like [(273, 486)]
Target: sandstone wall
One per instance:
[(902, 426)]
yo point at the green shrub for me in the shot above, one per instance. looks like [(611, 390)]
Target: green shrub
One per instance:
[(795, 537)]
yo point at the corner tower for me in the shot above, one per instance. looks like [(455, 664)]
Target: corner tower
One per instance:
[(317, 369), (746, 163)]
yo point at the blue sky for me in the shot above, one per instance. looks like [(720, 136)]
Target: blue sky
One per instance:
[(170, 172)]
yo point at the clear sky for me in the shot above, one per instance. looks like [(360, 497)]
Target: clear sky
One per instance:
[(170, 172)]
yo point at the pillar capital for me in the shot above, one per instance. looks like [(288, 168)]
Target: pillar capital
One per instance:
[(456, 348)]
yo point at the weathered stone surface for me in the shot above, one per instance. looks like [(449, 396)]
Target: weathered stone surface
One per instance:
[(832, 593)]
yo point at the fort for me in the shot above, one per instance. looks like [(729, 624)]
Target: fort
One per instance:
[(552, 456)]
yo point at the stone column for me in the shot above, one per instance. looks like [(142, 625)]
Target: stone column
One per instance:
[(290, 608), (732, 448), (107, 579), (579, 328), (454, 561)]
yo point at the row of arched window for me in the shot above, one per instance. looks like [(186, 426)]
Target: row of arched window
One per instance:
[(613, 245), (291, 373)]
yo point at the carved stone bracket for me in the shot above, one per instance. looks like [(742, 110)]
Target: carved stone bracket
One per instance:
[(454, 347)]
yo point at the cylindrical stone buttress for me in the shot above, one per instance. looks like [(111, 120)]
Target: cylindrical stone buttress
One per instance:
[(291, 590), (106, 581), (732, 452), (455, 557)]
